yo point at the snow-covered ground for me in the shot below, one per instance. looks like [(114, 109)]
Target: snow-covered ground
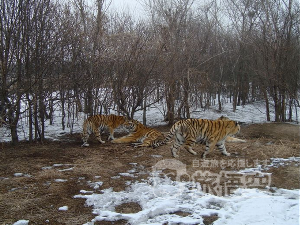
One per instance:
[(159, 204), (160, 198)]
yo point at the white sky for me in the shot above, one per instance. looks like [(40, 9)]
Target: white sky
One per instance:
[(124, 4), (134, 7)]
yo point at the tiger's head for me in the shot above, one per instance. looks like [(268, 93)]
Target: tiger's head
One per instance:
[(233, 127), (123, 119), (131, 125), (223, 118)]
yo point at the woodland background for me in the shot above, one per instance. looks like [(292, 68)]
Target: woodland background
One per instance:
[(80, 57)]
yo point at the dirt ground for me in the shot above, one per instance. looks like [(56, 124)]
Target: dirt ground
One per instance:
[(54, 172)]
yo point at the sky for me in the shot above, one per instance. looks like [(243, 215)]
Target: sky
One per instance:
[(131, 4), (133, 7), (136, 8)]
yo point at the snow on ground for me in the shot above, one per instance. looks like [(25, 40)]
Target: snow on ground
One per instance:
[(161, 198), (63, 208), (252, 113), (22, 222)]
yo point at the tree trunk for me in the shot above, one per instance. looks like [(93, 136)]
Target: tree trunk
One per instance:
[(144, 112), (267, 104), (219, 99), (30, 121), (171, 104)]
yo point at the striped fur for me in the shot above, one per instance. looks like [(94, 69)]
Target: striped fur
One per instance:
[(211, 132), (94, 124), (140, 135), (229, 138)]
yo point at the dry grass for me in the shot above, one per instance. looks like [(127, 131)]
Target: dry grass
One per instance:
[(37, 198), (50, 174)]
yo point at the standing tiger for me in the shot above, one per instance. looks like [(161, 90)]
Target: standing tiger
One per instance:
[(211, 132), (94, 124), (140, 135)]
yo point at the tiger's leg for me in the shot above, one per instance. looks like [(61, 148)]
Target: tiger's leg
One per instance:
[(188, 146), (111, 134), (85, 136), (206, 151), (175, 147), (98, 135), (209, 146), (235, 140), (137, 145), (178, 142), (221, 147), (190, 150), (147, 142), (127, 139)]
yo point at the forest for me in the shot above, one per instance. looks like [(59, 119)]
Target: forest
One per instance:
[(79, 56)]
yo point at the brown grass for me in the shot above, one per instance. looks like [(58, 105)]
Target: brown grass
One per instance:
[(37, 198)]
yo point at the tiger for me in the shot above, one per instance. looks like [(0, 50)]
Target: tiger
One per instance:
[(230, 139), (140, 135), (94, 124), (211, 132)]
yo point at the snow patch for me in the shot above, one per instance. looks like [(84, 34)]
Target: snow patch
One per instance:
[(160, 200), (21, 222), (63, 208), (60, 180)]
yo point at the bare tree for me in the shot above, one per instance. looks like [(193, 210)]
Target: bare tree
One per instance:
[(171, 18), (278, 52)]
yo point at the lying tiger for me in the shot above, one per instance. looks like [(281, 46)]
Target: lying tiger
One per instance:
[(94, 124), (140, 135), (211, 132)]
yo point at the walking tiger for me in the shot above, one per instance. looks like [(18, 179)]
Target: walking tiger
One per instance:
[(211, 132)]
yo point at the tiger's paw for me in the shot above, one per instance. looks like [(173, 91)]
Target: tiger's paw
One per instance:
[(85, 145), (192, 152), (116, 141), (137, 145), (226, 153), (175, 155)]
